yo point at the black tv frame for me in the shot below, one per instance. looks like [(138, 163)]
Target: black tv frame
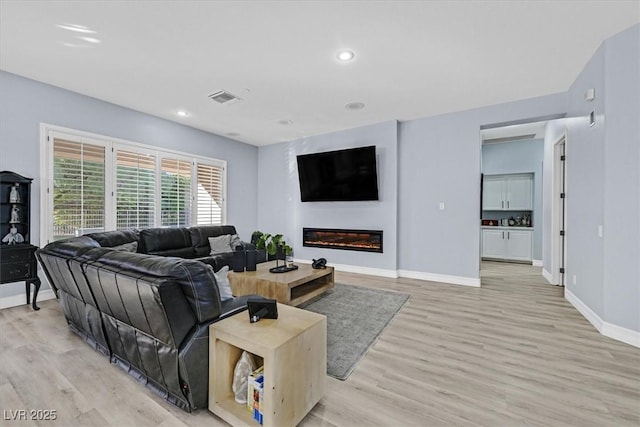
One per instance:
[(303, 183)]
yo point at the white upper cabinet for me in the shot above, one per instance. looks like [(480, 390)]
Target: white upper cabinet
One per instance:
[(507, 192), (519, 192), (493, 193)]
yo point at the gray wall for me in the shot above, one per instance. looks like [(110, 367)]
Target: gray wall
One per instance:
[(281, 210), (602, 168), (520, 157), (25, 103), (585, 186), (622, 180), (439, 161)]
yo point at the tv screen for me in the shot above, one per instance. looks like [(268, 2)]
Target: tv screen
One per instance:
[(335, 176)]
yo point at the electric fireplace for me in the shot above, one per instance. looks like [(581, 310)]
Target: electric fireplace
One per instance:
[(336, 238)]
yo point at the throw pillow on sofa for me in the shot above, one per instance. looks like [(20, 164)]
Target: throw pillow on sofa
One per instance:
[(223, 283), (235, 241), (220, 244)]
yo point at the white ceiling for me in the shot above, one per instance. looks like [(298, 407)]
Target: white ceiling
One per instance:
[(413, 59)]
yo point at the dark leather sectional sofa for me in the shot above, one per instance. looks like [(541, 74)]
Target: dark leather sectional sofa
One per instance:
[(147, 311)]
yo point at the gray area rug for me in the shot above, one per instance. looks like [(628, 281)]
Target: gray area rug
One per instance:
[(356, 317)]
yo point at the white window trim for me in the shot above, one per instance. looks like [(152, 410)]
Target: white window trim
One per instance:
[(49, 131)]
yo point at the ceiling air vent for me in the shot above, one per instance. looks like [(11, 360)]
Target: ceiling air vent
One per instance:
[(224, 97), (509, 139)]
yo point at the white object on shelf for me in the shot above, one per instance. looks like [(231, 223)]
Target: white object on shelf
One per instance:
[(14, 195)]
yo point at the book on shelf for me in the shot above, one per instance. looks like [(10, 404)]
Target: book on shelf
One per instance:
[(255, 393)]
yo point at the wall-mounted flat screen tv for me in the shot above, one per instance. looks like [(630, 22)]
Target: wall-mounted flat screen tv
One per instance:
[(338, 176)]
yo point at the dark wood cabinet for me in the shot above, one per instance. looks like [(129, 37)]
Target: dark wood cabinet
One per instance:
[(17, 255)]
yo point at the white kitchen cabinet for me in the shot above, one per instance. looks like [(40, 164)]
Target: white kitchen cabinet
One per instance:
[(493, 191), (493, 244), (507, 243), (507, 192)]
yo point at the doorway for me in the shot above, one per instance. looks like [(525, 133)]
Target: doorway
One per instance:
[(511, 194)]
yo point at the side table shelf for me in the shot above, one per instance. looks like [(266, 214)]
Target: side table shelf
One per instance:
[(293, 349)]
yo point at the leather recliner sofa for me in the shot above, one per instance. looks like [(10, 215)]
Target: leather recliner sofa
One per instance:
[(147, 312)]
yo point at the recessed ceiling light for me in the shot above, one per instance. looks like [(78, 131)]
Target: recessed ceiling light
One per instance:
[(354, 106), (285, 122), (74, 45), (183, 113), (345, 55), (90, 39), (76, 28)]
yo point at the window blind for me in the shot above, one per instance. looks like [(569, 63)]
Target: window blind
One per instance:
[(78, 188), (175, 207), (135, 190), (210, 197)]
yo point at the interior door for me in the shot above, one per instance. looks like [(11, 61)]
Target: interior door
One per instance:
[(562, 211)]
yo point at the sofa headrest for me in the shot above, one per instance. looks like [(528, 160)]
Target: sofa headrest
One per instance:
[(71, 247), (195, 278), (109, 239), (157, 240), (200, 236)]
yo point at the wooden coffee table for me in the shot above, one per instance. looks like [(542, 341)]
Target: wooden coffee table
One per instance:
[(291, 288)]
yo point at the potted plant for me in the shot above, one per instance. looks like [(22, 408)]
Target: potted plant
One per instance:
[(270, 243)]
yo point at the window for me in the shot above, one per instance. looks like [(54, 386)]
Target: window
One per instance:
[(135, 190), (176, 193), (209, 196), (93, 184), (78, 190)]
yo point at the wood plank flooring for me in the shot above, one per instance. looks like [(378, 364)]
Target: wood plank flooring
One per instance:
[(511, 353)]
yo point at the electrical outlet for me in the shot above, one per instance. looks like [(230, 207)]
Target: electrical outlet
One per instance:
[(600, 231), (441, 206), (574, 279)]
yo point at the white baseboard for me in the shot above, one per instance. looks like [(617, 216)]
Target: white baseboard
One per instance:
[(619, 333), (442, 278), (536, 262), (21, 299), (358, 269), (610, 330), (366, 270), (548, 277)]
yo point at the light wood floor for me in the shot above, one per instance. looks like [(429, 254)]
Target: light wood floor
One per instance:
[(510, 353)]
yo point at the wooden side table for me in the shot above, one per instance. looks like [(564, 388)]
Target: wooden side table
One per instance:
[(293, 349)]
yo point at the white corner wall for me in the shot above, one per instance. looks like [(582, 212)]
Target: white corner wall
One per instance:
[(603, 163)]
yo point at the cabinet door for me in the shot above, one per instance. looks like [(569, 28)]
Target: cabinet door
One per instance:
[(519, 245), (519, 193), (493, 189), (493, 243)]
